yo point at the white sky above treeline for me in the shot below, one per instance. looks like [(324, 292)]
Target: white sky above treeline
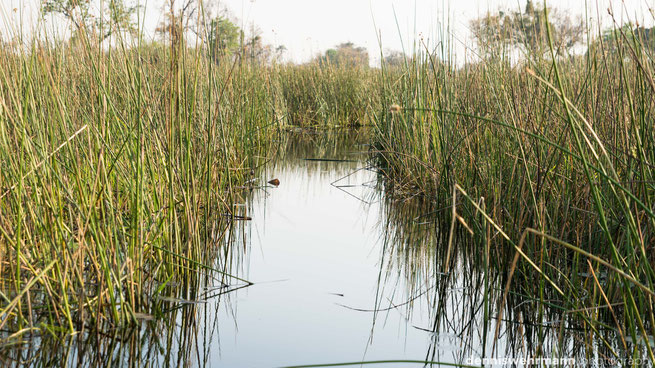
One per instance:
[(309, 27)]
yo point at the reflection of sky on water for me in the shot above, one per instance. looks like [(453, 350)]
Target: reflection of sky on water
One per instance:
[(324, 243)]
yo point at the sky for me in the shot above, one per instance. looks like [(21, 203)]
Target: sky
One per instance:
[(309, 27)]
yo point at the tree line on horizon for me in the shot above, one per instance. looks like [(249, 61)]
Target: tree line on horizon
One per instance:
[(495, 34)]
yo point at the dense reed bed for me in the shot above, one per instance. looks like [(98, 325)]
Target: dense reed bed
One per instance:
[(329, 95), (118, 175), (546, 166)]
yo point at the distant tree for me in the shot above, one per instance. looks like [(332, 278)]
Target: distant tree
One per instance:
[(279, 52), (223, 37), (527, 30), (394, 58), (645, 36), (120, 15), (171, 28), (493, 33), (331, 57), (254, 49), (175, 23), (613, 38), (76, 11), (345, 54)]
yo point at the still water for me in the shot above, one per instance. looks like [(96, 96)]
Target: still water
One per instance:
[(341, 272), (314, 252)]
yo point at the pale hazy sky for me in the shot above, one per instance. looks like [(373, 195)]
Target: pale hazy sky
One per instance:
[(307, 27)]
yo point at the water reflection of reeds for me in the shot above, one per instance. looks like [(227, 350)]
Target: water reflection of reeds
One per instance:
[(181, 317), (465, 304)]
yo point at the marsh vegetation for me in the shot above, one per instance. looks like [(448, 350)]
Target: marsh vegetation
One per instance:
[(512, 196)]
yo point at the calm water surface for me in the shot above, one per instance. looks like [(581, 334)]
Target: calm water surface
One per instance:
[(341, 272), (315, 251)]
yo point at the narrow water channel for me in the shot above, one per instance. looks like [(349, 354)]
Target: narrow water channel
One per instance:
[(315, 254), (340, 272)]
